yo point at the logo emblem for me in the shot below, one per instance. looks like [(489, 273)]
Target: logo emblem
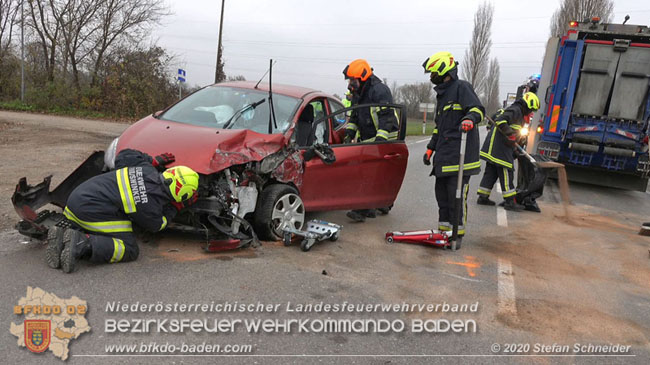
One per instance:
[(37, 334)]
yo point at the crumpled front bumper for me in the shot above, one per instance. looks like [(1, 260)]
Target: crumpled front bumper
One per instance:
[(28, 199)]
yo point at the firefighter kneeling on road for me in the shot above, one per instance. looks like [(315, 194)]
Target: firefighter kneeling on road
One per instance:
[(458, 109), (104, 208), (498, 149), (372, 124)]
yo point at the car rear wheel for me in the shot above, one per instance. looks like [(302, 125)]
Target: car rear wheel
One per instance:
[(280, 206)]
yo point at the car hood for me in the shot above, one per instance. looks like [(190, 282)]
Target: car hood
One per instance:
[(205, 150)]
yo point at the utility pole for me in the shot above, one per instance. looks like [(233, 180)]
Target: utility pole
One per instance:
[(216, 71), (22, 52)]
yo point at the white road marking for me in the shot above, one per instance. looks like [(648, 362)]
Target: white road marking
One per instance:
[(502, 217), (460, 277), (506, 282), (416, 142)]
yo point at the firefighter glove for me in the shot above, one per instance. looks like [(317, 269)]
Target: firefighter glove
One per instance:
[(427, 157), (347, 139), (161, 161), (512, 140), (186, 203), (466, 125)]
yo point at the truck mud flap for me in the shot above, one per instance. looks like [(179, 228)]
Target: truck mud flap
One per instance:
[(605, 178), (27, 199)]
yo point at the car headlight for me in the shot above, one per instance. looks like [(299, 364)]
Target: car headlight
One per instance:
[(109, 154), (523, 131)]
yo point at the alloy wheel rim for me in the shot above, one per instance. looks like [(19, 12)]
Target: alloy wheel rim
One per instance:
[(288, 211)]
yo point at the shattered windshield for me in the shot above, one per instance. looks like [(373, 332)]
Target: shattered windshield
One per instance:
[(219, 106)]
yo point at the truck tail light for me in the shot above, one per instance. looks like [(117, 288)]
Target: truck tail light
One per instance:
[(573, 24), (540, 129)]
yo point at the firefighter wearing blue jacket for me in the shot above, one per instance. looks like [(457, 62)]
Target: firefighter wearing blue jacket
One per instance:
[(372, 124), (376, 123), (458, 110), (104, 209), (498, 151)]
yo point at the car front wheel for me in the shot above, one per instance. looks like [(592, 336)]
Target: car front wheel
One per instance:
[(280, 206)]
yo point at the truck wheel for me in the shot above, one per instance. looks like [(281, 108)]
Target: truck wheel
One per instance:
[(279, 206)]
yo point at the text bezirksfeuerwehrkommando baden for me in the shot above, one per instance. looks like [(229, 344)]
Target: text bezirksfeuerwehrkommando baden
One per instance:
[(288, 307)]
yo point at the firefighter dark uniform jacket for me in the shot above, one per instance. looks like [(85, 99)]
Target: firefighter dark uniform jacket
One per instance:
[(109, 204), (497, 149), (456, 101), (378, 123)]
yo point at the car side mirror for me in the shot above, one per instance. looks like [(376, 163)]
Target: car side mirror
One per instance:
[(325, 152)]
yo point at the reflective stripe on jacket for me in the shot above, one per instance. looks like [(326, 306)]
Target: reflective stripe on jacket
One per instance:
[(496, 147), (111, 202), (456, 101), (376, 122)]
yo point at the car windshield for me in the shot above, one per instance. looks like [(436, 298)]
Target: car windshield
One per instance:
[(219, 106)]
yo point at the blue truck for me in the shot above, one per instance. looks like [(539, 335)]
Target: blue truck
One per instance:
[(596, 104)]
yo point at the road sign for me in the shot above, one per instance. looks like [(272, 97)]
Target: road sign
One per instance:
[(427, 107), (181, 75), (510, 98)]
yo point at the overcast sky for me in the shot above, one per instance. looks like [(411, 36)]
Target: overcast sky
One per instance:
[(312, 41)]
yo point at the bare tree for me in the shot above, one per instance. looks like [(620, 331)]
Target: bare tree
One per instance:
[(579, 10), (122, 20), (76, 20), (236, 78), (492, 100), (477, 57), (47, 30), (9, 10), (412, 95)]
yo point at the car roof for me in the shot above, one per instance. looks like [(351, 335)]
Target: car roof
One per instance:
[(288, 90)]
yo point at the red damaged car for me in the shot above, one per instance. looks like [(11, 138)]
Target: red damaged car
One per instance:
[(262, 164)]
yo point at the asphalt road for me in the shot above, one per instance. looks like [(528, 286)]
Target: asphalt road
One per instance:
[(548, 278)]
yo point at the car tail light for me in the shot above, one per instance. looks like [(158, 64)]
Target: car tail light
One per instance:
[(540, 129), (573, 24)]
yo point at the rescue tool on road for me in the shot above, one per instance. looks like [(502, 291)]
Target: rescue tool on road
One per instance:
[(429, 237), (317, 230)]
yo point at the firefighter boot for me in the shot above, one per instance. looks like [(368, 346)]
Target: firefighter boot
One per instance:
[(511, 204), (54, 247), (356, 215), (385, 210), (77, 247), (531, 205), (484, 200), (360, 215)]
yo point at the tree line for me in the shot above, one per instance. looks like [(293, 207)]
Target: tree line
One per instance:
[(482, 71), (85, 54)]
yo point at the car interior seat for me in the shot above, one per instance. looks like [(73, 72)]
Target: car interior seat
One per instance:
[(304, 135)]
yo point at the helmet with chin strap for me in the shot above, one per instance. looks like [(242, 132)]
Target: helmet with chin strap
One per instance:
[(183, 182)]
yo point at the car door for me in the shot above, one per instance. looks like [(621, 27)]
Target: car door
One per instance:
[(364, 175)]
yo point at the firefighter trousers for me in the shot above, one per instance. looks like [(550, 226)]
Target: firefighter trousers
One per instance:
[(494, 172), (446, 198), (111, 248)]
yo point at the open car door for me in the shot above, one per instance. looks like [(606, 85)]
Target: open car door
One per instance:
[(364, 175)]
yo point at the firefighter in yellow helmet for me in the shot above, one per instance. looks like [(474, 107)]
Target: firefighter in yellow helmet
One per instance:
[(458, 110), (498, 148), (102, 211)]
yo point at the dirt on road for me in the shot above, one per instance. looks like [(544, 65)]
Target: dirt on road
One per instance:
[(36, 145), (584, 276)]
